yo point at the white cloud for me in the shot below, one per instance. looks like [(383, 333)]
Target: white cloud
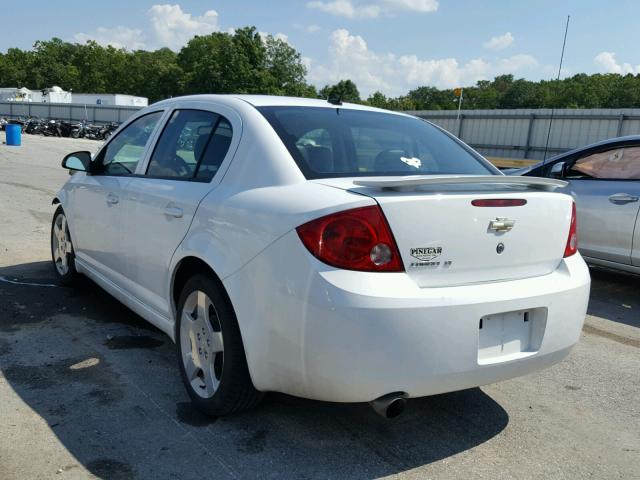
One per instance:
[(350, 57), (607, 63), (169, 27), (118, 37), (312, 28), (173, 28), (515, 62), (499, 42), (344, 8), (425, 6), (373, 9), (277, 36)]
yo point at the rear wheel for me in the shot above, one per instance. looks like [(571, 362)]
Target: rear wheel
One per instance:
[(62, 252), (211, 355)]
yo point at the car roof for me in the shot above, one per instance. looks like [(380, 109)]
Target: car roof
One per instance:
[(568, 153), (275, 100), (601, 143)]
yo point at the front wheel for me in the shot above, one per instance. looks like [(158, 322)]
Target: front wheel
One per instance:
[(62, 252), (211, 355)]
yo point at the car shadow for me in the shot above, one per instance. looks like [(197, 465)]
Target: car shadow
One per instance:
[(615, 296), (108, 386)]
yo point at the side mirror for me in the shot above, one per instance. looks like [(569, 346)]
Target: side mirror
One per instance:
[(557, 170), (78, 161)]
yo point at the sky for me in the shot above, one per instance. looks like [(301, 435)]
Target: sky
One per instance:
[(386, 45)]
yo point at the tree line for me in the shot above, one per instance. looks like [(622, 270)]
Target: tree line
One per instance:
[(242, 62), (579, 91), (245, 62)]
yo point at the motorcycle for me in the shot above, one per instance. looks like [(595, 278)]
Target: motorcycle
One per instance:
[(70, 129), (33, 125), (52, 128), (108, 129), (92, 132)]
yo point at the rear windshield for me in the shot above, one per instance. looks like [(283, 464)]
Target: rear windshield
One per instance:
[(336, 142)]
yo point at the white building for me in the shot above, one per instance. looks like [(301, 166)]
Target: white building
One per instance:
[(16, 95), (54, 95), (110, 99)]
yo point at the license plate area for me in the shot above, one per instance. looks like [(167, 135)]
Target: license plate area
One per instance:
[(510, 335)]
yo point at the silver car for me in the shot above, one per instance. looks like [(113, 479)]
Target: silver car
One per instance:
[(604, 180)]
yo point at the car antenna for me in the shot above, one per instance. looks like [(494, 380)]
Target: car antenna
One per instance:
[(564, 42), (335, 99)]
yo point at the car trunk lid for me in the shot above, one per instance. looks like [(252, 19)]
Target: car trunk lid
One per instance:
[(445, 240)]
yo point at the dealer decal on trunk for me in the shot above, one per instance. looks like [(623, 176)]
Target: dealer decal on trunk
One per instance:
[(427, 255)]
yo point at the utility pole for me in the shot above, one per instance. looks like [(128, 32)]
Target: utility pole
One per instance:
[(459, 93)]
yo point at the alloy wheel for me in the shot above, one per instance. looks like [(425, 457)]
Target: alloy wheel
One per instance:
[(201, 344), (61, 244)]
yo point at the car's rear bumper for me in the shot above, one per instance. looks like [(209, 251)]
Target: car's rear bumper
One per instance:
[(318, 332)]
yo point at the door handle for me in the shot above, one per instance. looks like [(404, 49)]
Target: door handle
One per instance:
[(173, 212), (622, 198), (112, 199)]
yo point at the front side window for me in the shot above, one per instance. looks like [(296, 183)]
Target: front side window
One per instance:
[(122, 154), (335, 142), (192, 146), (618, 164)]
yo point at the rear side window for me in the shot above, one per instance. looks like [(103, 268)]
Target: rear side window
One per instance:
[(336, 142), (216, 150), (191, 146)]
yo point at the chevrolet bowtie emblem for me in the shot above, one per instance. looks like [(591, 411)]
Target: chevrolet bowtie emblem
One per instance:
[(501, 224)]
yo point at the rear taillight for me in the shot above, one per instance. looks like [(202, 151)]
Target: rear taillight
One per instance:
[(572, 241), (357, 239)]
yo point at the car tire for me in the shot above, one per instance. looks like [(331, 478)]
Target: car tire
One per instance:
[(211, 355), (62, 252)]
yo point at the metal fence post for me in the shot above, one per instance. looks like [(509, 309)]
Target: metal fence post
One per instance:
[(462, 117), (620, 122), (527, 146)]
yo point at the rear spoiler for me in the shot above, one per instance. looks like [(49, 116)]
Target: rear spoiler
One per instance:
[(407, 182)]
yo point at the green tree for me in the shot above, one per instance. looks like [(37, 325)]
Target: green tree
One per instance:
[(286, 72), (211, 65), (520, 94), (430, 98), (245, 62), (378, 99), (15, 68), (346, 90)]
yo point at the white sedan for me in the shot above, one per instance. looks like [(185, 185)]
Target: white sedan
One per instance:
[(329, 251)]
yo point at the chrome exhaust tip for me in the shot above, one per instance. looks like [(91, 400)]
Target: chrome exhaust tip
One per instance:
[(390, 405)]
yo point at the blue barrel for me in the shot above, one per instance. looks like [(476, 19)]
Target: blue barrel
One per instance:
[(14, 134)]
